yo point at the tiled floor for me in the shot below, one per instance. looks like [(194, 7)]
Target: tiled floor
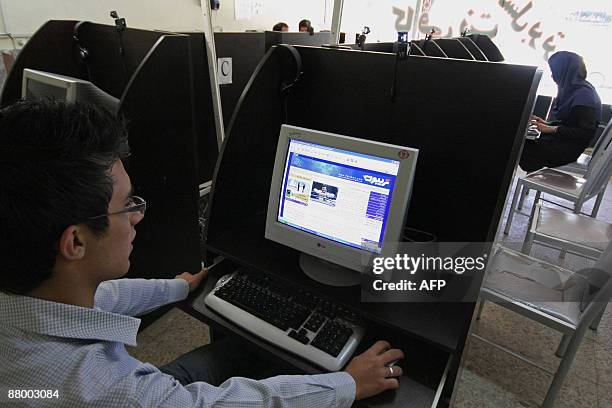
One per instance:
[(493, 378), (490, 377)]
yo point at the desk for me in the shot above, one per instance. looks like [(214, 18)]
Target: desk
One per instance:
[(428, 333), (348, 92)]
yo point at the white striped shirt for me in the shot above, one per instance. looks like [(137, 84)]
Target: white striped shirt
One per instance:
[(79, 352)]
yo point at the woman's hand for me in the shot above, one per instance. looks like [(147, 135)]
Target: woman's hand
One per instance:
[(546, 129), (536, 119)]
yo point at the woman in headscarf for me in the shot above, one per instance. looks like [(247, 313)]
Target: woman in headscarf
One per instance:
[(576, 113)]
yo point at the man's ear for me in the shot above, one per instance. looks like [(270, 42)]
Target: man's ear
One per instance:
[(72, 243)]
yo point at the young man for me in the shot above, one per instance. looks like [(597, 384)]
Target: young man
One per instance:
[(67, 223)]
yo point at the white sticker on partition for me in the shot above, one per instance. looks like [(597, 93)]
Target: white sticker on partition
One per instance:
[(224, 71)]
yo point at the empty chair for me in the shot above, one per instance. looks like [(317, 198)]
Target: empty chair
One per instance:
[(454, 49), (577, 190), (569, 232), (563, 300)]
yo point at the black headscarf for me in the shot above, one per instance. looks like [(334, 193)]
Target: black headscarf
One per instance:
[(569, 73)]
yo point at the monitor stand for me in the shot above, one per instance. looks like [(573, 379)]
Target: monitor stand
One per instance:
[(328, 273)]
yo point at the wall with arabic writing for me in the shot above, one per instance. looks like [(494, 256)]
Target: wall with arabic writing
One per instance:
[(526, 32)]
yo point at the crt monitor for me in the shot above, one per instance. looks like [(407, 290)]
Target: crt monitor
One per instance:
[(338, 199), (40, 84)]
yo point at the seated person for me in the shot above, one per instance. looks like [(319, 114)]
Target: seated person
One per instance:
[(576, 113), (305, 26), (280, 27), (67, 224)]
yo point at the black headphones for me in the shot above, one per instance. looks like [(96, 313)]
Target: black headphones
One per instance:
[(83, 53), (286, 86)]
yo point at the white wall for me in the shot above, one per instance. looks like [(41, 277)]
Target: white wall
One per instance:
[(270, 12), (21, 18)]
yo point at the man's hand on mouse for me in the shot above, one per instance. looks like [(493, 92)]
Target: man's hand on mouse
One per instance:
[(371, 373)]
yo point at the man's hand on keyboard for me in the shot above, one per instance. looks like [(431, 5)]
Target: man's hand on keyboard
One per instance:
[(371, 373), (193, 280)]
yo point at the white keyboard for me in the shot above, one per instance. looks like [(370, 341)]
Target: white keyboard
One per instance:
[(292, 319)]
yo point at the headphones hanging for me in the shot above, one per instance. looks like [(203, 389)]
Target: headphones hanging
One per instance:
[(82, 53), (287, 85)]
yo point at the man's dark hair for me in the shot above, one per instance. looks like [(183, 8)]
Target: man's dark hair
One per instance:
[(55, 161), (305, 23), (279, 26)]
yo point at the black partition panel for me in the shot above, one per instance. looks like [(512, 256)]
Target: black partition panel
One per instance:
[(296, 38), (467, 119), (49, 49), (472, 48), (245, 50), (487, 46), (110, 64), (166, 86), (454, 48), (468, 130), (467, 126), (162, 165)]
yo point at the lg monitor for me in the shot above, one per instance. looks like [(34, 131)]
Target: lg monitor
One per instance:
[(339, 200), (40, 84)]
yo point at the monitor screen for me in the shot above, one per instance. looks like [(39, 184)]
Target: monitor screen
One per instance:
[(337, 194), (337, 199), (48, 85), (39, 90)]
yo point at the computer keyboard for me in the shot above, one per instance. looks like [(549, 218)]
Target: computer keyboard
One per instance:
[(291, 318)]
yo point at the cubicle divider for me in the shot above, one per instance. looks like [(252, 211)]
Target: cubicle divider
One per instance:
[(160, 92), (245, 51), (467, 119)]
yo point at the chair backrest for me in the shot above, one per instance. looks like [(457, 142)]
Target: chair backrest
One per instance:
[(600, 279), (603, 141), (600, 166)]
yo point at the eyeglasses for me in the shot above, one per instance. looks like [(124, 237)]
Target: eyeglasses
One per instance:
[(134, 204)]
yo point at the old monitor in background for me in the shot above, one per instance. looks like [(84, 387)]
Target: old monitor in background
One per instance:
[(40, 85), (338, 199)]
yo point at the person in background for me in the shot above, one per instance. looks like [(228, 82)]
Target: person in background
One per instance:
[(68, 221), (575, 116), (280, 27), (305, 26)]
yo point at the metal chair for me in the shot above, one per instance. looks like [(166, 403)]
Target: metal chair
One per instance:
[(574, 233), (578, 190), (563, 300), (569, 232)]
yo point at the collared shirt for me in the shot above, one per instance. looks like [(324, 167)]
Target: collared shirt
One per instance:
[(78, 354)]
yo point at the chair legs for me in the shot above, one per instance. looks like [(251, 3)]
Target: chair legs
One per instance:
[(595, 323), (528, 242), (563, 345), (564, 367), (533, 209), (480, 307), (524, 194), (597, 204), (515, 197)]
